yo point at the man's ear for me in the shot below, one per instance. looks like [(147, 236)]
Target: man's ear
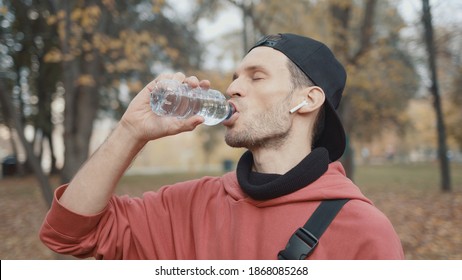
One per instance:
[(313, 98)]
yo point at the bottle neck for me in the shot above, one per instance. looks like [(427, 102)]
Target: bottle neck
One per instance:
[(231, 111)]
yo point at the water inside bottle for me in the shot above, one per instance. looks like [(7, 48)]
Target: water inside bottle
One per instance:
[(185, 102)]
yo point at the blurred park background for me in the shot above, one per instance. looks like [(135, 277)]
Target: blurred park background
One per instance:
[(68, 70)]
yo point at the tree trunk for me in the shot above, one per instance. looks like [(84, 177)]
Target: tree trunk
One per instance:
[(8, 106), (341, 13), (68, 83), (82, 102), (434, 89), (341, 16)]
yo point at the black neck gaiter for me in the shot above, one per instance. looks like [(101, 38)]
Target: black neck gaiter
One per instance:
[(261, 186)]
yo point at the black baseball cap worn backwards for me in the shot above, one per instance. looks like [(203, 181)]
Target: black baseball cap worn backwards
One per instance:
[(320, 65)]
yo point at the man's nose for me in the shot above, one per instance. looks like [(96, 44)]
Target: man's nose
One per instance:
[(234, 89)]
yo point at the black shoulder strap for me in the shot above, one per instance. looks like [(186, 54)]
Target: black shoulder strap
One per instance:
[(305, 239)]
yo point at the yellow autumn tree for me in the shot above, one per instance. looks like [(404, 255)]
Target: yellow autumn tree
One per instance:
[(105, 44)]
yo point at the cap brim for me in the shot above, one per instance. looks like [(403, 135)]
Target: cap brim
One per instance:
[(333, 136)]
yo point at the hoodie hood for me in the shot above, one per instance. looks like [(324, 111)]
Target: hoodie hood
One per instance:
[(333, 184)]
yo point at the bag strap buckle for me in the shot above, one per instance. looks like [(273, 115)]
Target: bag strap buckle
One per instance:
[(299, 246)]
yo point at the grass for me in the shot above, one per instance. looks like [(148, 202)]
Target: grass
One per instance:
[(425, 177), (428, 221), (370, 178), (137, 184)]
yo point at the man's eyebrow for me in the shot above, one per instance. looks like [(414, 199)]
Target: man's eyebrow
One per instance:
[(252, 68)]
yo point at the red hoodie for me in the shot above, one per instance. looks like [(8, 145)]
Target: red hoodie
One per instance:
[(212, 218)]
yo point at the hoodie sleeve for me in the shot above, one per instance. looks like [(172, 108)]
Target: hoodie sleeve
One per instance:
[(123, 230)]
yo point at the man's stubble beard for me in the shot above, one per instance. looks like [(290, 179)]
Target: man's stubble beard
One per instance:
[(269, 129)]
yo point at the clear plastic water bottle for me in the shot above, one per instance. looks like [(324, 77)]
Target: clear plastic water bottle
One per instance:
[(172, 98)]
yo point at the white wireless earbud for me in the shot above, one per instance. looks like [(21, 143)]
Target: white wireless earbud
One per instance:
[(296, 108)]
